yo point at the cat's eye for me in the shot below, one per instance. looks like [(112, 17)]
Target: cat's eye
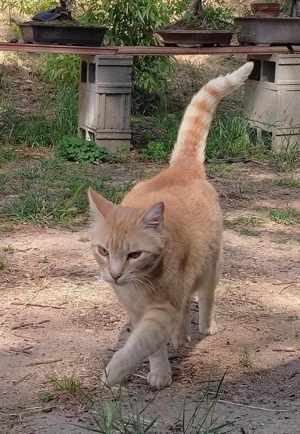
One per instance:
[(134, 255), (102, 251)]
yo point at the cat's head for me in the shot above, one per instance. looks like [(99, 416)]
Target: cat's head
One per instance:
[(127, 242)]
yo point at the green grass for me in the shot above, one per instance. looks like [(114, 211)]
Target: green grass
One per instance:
[(52, 192), (288, 216), (125, 415), (42, 129), (287, 183), (286, 160), (229, 137)]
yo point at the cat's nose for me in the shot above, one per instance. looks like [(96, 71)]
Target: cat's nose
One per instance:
[(115, 274), (115, 268)]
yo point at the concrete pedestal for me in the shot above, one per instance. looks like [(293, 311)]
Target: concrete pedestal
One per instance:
[(272, 98), (105, 100)]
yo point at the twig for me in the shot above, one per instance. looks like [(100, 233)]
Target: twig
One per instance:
[(44, 362), (22, 350), (284, 350), (22, 379), (28, 324), (37, 305), (252, 407)]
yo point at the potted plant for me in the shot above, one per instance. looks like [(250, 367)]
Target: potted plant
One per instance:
[(204, 23), (269, 30), (57, 26)]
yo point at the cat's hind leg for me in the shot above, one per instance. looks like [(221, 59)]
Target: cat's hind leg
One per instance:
[(206, 299)]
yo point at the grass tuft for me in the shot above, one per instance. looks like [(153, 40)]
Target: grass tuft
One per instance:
[(287, 183), (288, 216), (65, 384), (286, 160)]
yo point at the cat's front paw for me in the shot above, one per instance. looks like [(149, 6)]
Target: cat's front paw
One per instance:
[(116, 370), (160, 379), (212, 329)]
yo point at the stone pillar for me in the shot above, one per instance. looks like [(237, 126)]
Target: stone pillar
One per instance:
[(272, 99), (105, 100)]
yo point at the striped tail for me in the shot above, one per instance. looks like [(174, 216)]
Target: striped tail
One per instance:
[(195, 125)]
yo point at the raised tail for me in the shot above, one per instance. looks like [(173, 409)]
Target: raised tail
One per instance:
[(195, 125)]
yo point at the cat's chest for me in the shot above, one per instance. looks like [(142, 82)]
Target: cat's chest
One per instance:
[(133, 298)]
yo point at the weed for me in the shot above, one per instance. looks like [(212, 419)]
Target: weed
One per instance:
[(65, 384), (126, 417), (286, 160), (46, 396), (287, 183), (246, 359), (74, 148), (229, 137), (160, 129), (2, 263), (156, 151), (288, 216), (122, 155)]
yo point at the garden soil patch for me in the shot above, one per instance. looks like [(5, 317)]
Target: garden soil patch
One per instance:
[(58, 319)]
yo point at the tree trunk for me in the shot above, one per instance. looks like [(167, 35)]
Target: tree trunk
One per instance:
[(196, 7)]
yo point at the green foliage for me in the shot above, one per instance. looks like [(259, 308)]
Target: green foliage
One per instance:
[(133, 22), (74, 148), (28, 7), (156, 151), (288, 216), (229, 137), (61, 68), (218, 17)]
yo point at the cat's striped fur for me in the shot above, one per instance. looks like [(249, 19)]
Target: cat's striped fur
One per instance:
[(164, 243)]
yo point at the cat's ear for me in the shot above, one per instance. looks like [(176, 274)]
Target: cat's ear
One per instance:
[(99, 206), (154, 216)]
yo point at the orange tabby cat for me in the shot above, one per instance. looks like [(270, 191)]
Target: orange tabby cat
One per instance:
[(164, 242)]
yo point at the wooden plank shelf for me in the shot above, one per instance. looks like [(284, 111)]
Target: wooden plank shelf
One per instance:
[(148, 51)]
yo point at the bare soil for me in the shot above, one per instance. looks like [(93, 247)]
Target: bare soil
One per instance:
[(57, 319)]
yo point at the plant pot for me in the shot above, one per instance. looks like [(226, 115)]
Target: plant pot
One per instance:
[(195, 38), (66, 33), (268, 30), (266, 9)]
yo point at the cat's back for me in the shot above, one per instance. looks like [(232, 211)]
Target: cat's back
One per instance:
[(189, 201)]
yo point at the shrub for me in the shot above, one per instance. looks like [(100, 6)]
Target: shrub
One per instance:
[(133, 22)]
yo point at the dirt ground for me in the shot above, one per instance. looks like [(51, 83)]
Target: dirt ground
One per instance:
[(58, 319)]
